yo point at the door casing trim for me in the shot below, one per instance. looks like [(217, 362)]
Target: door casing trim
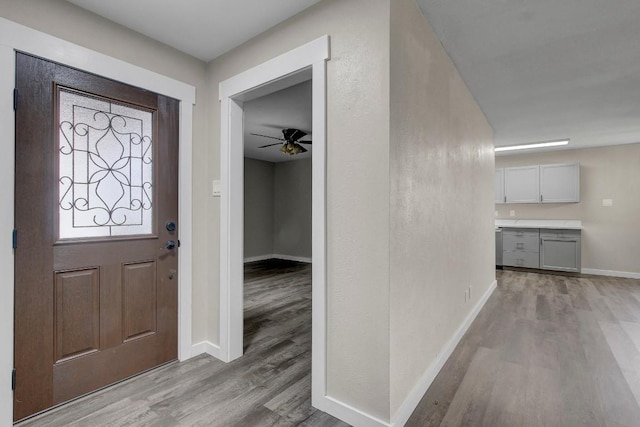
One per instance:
[(15, 37), (312, 57)]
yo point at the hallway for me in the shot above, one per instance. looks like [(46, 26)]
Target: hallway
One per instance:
[(546, 350)]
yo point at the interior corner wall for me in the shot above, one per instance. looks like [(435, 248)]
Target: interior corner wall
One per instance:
[(442, 163), (292, 208), (357, 128), (610, 234), (69, 22), (258, 208)]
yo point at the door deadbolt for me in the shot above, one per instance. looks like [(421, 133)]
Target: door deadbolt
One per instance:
[(171, 226)]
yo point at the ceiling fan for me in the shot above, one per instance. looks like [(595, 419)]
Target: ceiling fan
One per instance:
[(290, 143)]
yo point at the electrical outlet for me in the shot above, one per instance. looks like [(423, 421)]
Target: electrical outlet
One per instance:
[(512, 213), (607, 202), (215, 185)]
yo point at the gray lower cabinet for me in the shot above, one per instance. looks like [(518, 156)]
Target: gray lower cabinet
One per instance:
[(521, 247), (560, 250)]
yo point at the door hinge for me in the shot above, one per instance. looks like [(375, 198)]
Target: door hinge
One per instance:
[(15, 99), (13, 379), (178, 242), (15, 238)]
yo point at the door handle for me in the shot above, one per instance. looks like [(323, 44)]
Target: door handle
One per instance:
[(170, 245)]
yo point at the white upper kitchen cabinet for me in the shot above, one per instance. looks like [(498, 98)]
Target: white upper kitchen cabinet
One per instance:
[(499, 186), (522, 184), (560, 183)]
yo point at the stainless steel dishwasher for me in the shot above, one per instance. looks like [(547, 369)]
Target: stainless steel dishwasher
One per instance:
[(498, 247)]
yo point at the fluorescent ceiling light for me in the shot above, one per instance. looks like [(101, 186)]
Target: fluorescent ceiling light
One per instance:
[(536, 145)]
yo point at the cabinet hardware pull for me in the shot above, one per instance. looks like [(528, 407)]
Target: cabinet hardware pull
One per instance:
[(541, 197), (505, 199)]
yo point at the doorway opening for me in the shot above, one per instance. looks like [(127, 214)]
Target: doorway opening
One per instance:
[(277, 226), (306, 63)]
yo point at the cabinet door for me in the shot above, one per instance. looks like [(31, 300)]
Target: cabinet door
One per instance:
[(560, 183), (560, 254), (522, 184), (499, 183)]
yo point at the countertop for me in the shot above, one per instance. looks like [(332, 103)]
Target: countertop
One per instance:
[(566, 224)]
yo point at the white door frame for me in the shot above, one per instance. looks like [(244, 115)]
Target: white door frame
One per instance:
[(312, 55), (15, 37)]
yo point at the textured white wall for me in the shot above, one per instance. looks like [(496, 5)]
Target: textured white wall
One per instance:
[(357, 188), (611, 235), (442, 238)]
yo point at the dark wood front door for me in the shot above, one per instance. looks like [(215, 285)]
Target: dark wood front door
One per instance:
[(96, 203)]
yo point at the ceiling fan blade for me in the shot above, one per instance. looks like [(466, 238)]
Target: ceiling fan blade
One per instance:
[(302, 149), (304, 142), (269, 145), (267, 136), (293, 134)]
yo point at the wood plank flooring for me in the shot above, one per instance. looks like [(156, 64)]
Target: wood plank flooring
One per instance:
[(546, 350), (269, 386)]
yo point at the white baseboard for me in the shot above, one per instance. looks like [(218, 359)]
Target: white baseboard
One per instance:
[(347, 413), (258, 258), (625, 274), (293, 258), (411, 402), (205, 347), (278, 256)]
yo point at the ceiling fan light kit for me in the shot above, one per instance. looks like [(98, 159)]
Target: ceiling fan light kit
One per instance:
[(290, 143), (292, 148)]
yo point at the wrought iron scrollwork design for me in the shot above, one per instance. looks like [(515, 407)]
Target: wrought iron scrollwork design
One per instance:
[(107, 177)]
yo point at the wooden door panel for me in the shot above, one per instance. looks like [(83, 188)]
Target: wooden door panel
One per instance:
[(106, 367), (138, 310), (77, 313), (110, 302), (90, 311), (32, 333)]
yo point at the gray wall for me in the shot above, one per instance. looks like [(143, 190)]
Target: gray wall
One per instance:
[(277, 208), (441, 163), (610, 234), (292, 208), (258, 207)]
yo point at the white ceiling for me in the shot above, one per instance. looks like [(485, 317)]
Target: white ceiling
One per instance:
[(548, 69), (269, 114), (541, 70), (202, 28)]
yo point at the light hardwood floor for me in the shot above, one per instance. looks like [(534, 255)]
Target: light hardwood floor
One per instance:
[(546, 350), (269, 386)]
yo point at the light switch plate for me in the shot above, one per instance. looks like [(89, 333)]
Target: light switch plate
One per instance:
[(607, 202), (216, 188), (512, 213)]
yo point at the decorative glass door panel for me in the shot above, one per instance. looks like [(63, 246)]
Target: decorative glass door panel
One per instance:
[(105, 167)]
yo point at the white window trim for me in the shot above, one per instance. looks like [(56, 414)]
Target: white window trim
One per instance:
[(16, 37)]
